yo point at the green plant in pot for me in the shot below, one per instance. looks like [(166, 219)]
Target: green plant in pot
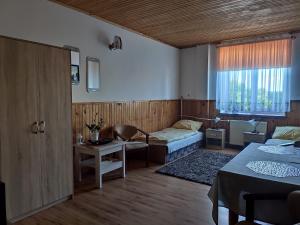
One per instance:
[(94, 129)]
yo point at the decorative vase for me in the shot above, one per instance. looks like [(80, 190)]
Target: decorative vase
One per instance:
[(94, 136), (79, 139)]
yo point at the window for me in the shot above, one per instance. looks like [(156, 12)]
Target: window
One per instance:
[(254, 78)]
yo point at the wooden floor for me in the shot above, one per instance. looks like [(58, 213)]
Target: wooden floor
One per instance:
[(143, 198)]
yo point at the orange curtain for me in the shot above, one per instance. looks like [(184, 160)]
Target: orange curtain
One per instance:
[(267, 54)]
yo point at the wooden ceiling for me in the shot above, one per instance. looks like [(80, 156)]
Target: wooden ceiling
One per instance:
[(183, 23)]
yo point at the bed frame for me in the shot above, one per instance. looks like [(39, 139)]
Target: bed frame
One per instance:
[(159, 153)]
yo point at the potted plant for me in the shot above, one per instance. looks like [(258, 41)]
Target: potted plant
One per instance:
[(94, 129)]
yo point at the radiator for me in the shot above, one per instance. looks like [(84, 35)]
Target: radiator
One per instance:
[(237, 127)]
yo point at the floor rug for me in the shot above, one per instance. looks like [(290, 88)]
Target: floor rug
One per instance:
[(200, 166)]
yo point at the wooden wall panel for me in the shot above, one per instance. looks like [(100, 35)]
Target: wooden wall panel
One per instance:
[(146, 115), (156, 115), (207, 109)]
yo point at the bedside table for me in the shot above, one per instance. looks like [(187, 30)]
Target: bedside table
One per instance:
[(215, 138), (254, 137)]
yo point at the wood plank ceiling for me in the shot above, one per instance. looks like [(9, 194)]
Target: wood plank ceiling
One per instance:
[(183, 23)]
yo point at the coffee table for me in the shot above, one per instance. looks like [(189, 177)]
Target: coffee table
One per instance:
[(98, 161)]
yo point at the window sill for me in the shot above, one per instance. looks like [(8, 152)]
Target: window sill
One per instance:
[(269, 116)]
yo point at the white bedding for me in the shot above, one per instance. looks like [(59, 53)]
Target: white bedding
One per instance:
[(175, 145), (170, 135), (278, 141)]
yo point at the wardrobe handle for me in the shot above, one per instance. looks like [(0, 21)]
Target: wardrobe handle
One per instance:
[(42, 126), (35, 127)]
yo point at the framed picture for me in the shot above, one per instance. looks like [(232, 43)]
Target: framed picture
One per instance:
[(75, 63), (75, 74)]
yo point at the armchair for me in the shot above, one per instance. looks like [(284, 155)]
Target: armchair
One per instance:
[(127, 133)]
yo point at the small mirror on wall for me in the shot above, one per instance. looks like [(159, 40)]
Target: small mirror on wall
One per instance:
[(93, 74), (75, 63)]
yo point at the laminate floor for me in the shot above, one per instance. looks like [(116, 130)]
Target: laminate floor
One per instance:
[(143, 198)]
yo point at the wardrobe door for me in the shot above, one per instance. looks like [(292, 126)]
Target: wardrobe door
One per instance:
[(55, 123), (20, 158)]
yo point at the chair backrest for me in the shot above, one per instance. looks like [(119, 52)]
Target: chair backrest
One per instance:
[(294, 205), (126, 132)]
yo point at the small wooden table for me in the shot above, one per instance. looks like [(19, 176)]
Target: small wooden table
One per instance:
[(101, 166)]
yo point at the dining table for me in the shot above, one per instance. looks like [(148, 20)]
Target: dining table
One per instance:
[(238, 178)]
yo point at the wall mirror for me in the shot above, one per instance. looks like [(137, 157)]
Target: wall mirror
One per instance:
[(93, 74)]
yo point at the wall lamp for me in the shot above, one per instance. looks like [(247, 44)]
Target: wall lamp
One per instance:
[(117, 43)]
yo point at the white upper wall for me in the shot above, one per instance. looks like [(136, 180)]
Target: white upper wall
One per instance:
[(198, 72), (145, 69), (193, 71)]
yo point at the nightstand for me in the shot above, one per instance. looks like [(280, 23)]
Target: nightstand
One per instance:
[(254, 137), (215, 138)]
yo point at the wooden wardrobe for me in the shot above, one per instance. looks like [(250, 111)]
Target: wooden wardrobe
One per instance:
[(36, 160)]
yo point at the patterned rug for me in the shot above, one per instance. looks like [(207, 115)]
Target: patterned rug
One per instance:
[(200, 166)]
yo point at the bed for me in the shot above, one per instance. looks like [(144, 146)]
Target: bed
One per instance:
[(284, 135), (175, 142)]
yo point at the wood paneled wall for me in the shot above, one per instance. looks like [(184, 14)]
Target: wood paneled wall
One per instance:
[(207, 109), (158, 114), (146, 115)]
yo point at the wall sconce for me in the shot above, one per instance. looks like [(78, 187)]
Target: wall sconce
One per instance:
[(117, 43)]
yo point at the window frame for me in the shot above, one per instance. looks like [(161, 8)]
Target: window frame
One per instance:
[(261, 55)]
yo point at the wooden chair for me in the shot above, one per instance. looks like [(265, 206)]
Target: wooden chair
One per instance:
[(127, 133), (293, 200)]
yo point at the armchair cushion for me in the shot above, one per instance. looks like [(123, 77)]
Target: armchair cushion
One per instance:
[(136, 145)]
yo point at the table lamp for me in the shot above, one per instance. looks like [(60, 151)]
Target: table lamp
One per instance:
[(216, 121), (254, 124)]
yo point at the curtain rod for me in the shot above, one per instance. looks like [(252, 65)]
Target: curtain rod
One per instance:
[(247, 40)]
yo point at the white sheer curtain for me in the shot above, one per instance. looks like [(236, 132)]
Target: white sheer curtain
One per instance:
[(259, 91), (245, 86)]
